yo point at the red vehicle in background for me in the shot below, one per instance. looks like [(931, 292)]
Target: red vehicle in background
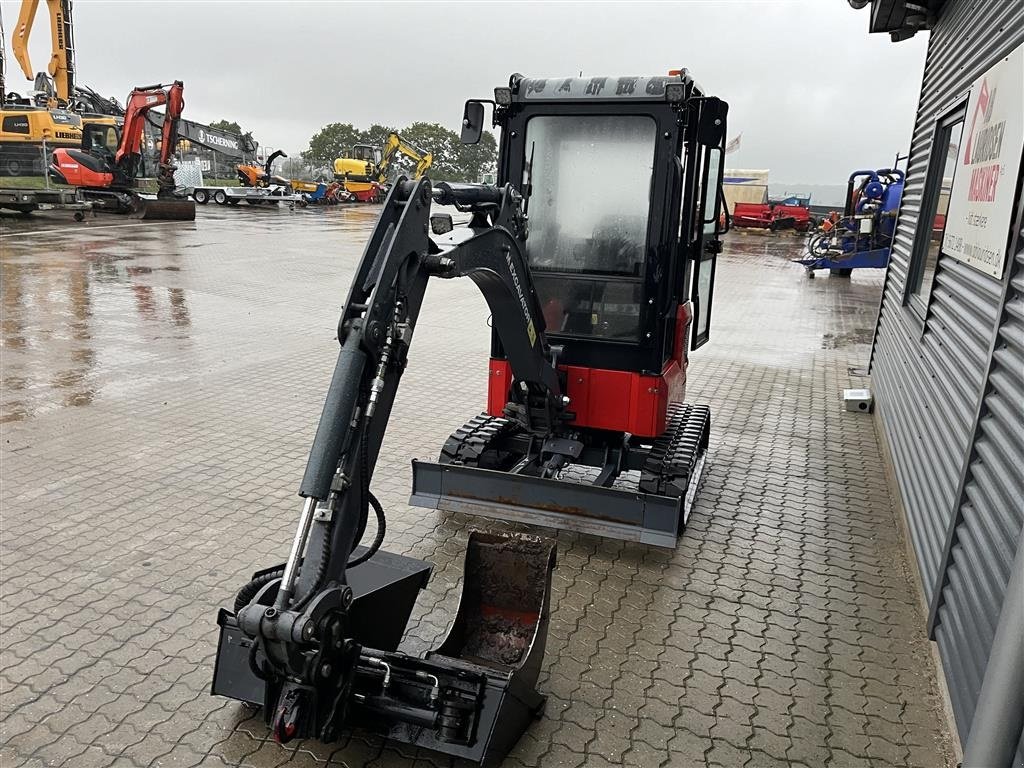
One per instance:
[(790, 213), (110, 163)]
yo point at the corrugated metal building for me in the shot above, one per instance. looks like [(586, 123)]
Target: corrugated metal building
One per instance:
[(948, 356)]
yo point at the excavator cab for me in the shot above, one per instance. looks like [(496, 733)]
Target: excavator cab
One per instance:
[(101, 140), (367, 153)]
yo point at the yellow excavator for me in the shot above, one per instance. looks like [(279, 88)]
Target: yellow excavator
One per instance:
[(54, 117), (365, 173), (62, 58)]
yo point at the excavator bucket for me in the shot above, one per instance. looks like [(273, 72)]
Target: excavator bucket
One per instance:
[(502, 617), (493, 653), (472, 697), (166, 209)]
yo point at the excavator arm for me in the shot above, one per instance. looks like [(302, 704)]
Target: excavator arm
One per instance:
[(62, 66), (141, 100), (303, 644), (394, 145)]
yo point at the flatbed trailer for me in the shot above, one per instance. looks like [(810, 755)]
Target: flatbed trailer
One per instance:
[(28, 200), (250, 195)]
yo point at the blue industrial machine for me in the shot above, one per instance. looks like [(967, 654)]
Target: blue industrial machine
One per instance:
[(862, 237)]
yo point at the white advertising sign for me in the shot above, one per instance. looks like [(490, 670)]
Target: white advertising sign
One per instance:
[(981, 201), (982, 197)]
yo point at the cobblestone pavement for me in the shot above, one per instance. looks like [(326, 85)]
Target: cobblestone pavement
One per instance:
[(161, 384)]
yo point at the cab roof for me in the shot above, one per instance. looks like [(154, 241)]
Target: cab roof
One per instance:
[(602, 88)]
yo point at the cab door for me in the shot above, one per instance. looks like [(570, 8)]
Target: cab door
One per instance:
[(706, 244)]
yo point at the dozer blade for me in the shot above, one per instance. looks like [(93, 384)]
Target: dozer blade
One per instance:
[(652, 510), (611, 512), (166, 210)]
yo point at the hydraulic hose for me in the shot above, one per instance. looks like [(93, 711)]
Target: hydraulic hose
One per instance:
[(378, 539), (248, 592), (368, 500)]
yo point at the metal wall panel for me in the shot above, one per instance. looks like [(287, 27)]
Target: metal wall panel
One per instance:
[(929, 384), (991, 514)]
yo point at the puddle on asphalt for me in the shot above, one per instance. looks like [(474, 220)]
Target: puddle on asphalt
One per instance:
[(848, 338), (73, 316)]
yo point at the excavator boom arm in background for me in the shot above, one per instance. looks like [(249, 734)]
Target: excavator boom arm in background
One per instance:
[(140, 102), (62, 58), (394, 145)]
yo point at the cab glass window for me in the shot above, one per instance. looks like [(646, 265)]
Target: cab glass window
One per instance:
[(591, 181), (709, 191), (590, 184), (15, 124)]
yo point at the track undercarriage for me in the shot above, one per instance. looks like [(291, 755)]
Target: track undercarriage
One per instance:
[(615, 484)]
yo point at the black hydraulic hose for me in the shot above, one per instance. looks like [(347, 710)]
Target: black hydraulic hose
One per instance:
[(368, 500), (378, 539), (321, 572), (364, 483), (253, 666), (248, 592)]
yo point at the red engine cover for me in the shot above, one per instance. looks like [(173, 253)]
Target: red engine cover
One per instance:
[(71, 164), (620, 401)]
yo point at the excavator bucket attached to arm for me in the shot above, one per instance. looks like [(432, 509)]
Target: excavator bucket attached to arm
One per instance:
[(314, 640)]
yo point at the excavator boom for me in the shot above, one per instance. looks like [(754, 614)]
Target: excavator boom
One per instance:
[(395, 145), (62, 68), (19, 41), (299, 641), (140, 101)]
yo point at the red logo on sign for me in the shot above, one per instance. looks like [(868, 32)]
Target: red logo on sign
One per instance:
[(985, 102)]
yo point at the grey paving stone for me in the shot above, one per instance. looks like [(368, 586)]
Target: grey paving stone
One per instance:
[(162, 399)]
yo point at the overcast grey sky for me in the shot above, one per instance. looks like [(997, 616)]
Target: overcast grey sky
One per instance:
[(814, 95)]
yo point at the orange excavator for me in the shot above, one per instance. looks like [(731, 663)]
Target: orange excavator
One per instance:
[(250, 175), (110, 161)]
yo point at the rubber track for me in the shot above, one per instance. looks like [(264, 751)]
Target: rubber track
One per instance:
[(468, 443), (672, 458)]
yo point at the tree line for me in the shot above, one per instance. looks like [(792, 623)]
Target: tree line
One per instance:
[(453, 160)]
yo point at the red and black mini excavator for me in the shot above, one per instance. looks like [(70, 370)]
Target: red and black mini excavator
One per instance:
[(111, 160), (596, 255)]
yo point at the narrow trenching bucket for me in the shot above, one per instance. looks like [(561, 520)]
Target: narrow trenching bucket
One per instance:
[(166, 210), (499, 635), (503, 614)]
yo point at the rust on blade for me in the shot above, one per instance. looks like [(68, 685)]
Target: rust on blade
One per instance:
[(513, 502)]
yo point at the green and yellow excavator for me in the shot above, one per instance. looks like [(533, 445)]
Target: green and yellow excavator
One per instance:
[(365, 173)]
